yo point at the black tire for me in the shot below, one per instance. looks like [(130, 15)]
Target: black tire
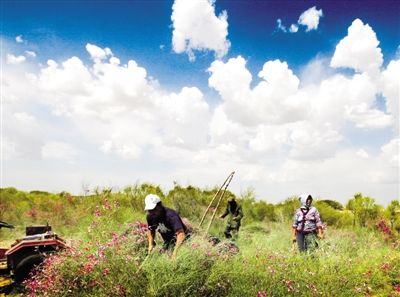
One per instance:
[(21, 272)]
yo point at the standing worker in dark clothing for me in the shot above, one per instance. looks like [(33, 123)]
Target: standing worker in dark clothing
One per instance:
[(235, 213), (167, 222)]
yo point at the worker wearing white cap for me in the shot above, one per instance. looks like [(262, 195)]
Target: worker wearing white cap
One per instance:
[(166, 221)]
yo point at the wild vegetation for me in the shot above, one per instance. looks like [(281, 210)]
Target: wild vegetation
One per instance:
[(106, 233)]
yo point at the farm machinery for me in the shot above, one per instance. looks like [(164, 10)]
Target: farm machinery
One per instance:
[(17, 262)]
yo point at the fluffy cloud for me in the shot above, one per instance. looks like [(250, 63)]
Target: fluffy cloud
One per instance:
[(19, 39), (126, 109), (15, 60), (310, 18), (270, 101), (273, 116), (269, 139), (71, 77), (306, 121), (293, 28), (365, 117), (280, 26), (30, 54), (185, 117), (390, 152), (316, 70), (281, 133), (359, 49), (97, 53), (391, 88), (196, 27), (311, 142), (386, 170), (224, 130)]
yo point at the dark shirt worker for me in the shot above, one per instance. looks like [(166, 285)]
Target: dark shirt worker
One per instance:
[(166, 221)]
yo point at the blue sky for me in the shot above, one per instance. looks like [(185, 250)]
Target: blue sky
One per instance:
[(136, 29), (288, 93)]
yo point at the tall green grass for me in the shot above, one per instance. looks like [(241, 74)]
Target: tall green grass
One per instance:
[(111, 261), (108, 254)]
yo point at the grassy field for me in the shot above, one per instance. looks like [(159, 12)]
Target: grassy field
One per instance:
[(106, 263), (346, 264), (108, 254)]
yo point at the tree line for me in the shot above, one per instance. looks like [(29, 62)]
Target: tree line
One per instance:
[(66, 212)]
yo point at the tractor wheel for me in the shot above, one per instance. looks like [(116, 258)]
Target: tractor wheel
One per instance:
[(24, 267)]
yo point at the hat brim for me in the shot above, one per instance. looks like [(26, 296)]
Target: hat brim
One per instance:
[(150, 206)]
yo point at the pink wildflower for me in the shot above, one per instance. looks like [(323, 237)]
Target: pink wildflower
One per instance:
[(106, 271), (88, 267), (289, 285), (385, 267), (97, 212), (120, 290), (384, 228)]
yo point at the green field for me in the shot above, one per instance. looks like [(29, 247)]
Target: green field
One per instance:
[(359, 256)]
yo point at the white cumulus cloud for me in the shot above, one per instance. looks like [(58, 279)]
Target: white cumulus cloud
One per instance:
[(391, 152), (359, 49), (304, 121), (30, 54), (391, 88), (98, 53), (280, 25), (196, 27), (19, 39), (310, 18), (15, 60), (128, 108), (365, 117), (280, 132), (270, 101), (293, 28)]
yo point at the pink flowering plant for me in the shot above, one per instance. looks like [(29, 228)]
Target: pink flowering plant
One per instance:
[(102, 265)]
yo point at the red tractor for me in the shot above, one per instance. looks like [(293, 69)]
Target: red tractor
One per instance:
[(24, 254)]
